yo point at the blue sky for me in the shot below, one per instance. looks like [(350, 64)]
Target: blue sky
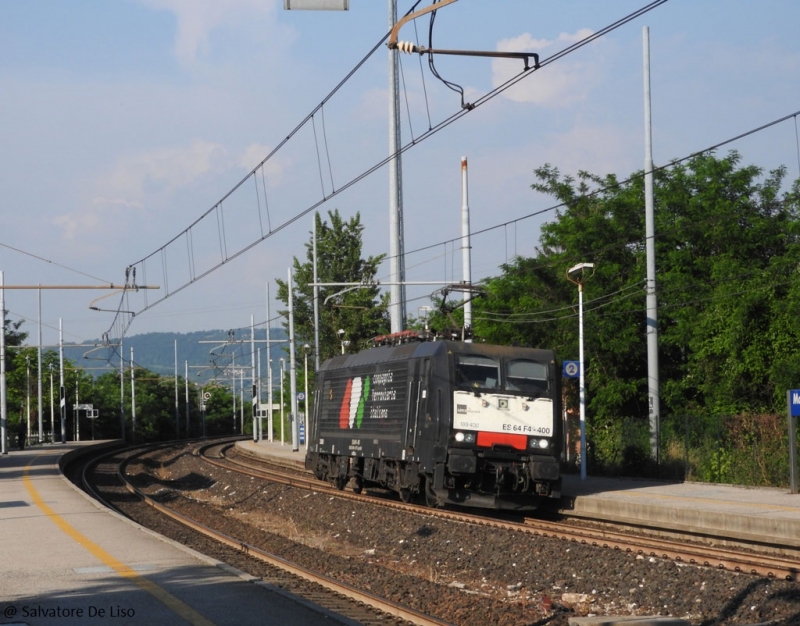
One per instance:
[(123, 121)]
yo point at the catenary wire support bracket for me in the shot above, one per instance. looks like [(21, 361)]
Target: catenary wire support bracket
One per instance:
[(410, 48)]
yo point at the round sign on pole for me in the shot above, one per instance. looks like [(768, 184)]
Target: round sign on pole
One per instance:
[(207, 395), (572, 369), (301, 396)]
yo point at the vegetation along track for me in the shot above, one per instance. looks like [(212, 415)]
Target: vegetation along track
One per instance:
[(455, 568)]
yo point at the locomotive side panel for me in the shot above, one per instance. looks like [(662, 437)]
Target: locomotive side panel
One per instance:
[(363, 411)]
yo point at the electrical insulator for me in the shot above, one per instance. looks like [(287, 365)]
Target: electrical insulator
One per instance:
[(406, 46)]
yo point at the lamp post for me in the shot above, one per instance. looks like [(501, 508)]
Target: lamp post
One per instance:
[(577, 274)]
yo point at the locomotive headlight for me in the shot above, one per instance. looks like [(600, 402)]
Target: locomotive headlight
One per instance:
[(539, 443), (464, 437)]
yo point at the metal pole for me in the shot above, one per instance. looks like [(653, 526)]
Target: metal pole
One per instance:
[(253, 376), (283, 371), (466, 260), (76, 412), (241, 400), (62, 391), (133, 398), (39, 372), (177, 408), (233, 388), (3, 406), (654, 407), (397, 272), (28, 394), (316, 296), (186, 393), (306, 419), (582, 387), (258, 391), (792, 445), (122, 394), (52, 412), (292, 367), (580, 277), (270, 419)]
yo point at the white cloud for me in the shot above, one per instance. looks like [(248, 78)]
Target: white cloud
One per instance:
[(141, 183), (557, 85), (164, 170), (197, 19)]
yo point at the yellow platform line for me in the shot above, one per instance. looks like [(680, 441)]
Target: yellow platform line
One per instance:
[(174, 604)]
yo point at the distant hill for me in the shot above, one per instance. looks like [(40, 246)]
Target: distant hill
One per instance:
[(207, 352)]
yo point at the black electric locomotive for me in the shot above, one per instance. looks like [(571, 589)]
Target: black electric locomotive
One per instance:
[(452, 422)]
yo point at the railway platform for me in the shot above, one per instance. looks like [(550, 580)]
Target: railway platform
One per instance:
[(66, 560), (727, 513)]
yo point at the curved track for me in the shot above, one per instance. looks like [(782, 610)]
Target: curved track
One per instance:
[(356, 604)]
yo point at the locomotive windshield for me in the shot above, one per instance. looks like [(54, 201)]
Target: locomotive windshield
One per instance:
[(480, 372), (527, 376)]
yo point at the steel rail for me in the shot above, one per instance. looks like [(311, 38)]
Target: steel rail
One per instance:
[(756, 564), (382, 604)]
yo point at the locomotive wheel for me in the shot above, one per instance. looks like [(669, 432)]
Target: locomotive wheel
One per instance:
[(358, 485), (406, 495), (431, 499), (339, 482)]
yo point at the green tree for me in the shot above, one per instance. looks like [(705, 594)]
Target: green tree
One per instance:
[(727, 254), (16, 373), (361, 312)]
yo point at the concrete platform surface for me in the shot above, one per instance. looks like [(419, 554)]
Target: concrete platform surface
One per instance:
[(66, 560)]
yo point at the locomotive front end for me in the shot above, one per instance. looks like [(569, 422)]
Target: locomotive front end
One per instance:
[(505, 441)]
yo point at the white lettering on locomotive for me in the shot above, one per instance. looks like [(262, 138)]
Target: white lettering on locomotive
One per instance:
[(503, 414), (384, 378)]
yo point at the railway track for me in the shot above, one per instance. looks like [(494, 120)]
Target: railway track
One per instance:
[(461, 568), (358, 605), (691, 549)]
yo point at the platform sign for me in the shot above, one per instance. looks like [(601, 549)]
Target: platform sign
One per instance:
[(794, 402), (572, 369)]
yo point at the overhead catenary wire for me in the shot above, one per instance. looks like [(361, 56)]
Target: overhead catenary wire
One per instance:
[(227, 256), (673, 163)]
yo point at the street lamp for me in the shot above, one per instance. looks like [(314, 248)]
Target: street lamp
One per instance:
[(344, 343), (577, 274)]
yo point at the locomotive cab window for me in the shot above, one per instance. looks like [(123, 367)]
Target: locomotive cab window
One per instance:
[(527, 376), (477, 372)]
